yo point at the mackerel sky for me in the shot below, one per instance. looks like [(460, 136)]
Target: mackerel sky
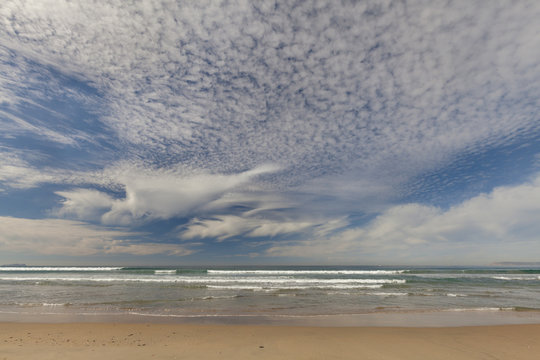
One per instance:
[(263, 132)]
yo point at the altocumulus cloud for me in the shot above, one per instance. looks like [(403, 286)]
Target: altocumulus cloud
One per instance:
[(317, 87)]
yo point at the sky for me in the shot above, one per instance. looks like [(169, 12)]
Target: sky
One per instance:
[(269, 132)]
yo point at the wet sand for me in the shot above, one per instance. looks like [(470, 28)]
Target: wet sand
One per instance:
[(190, 341)]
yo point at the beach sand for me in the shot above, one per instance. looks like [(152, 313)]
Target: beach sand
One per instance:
[(188, 341)]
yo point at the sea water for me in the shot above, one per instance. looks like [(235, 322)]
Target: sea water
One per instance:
[(266, 292)]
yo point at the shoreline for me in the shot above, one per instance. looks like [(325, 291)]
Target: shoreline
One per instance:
[(420, 318), (83, 341)]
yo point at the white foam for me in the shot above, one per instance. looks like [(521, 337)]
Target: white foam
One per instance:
[(207, 280), (481, 309), (217, 297), (519, 278), (61, 268), (43, 304), (297, 287), (164, 272), (235, 287), (306, 272), (293, 281), (388, 294)]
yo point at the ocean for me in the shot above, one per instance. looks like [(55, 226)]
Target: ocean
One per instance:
[(295, 294)]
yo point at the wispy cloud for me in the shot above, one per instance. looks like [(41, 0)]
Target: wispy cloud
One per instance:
[(75, 238), (18, 171), (229, 226), (41, 102), (87, 204), (154, 194)]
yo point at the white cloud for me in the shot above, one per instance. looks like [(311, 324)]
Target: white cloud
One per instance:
[(277, 228), (74, 238), (84, 204), (20, 126), (154, 194), (226, 226), (17, 173), (501, 225), (256, 224), (221, 227), (39, 103), (254, 197)]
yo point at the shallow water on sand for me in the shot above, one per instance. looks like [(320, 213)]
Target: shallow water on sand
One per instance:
[(283, 294)]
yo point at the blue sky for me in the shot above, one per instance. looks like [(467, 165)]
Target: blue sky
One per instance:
[(239, 132)]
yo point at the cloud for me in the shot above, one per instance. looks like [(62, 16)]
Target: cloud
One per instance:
[(20, 126), (220, 227), (75, 238), (256, 224), (226, 226), (154, 194), (170, 102), (16, 172), (85, 204), (497, 225), (41, 104), (388, 90), (505, 215)]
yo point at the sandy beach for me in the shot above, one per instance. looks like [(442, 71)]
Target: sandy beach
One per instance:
[(188, 341)]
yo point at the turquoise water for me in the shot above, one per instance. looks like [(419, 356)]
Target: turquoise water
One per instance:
[(273, 291)]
